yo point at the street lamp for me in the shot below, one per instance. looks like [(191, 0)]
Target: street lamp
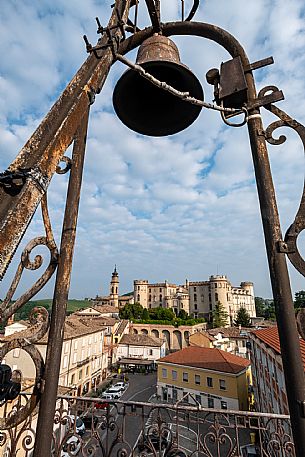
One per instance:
[(24, 185)]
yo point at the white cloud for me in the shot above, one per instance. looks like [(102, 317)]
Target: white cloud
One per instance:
[(160, 208)]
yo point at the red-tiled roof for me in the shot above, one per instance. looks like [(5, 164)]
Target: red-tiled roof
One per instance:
[(208, 358), (270, 337)]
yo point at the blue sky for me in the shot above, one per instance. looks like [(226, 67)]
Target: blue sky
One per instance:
[(179, 207)]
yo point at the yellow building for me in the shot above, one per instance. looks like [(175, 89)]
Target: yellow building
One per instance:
[(209, 377)]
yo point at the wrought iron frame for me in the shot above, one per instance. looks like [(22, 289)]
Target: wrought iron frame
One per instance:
[(24, 185)]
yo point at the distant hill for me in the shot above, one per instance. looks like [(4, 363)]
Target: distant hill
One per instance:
[(73, 305)]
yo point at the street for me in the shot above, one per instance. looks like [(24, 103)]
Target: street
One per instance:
[(121, 427)]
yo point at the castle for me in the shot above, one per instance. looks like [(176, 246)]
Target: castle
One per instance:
[(197, 298)]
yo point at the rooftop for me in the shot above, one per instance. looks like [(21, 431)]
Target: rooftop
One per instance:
[(207, 358), (270, 337), (141, 340)]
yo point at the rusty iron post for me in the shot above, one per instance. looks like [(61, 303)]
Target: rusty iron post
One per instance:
[(285, 313), (45, 424)]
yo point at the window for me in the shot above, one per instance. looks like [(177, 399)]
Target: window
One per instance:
[(222, 384), (160, 289), (194, 289), (164, 373), (65, 362), (138, 297), (75, 344), (185, 377), (84, 341), (195, 305), (210, 382), (224, 405), (149, 298), (215, 285), (216, 296), (198, 399), (80, 374), (87, 371), (150, 352), (73, 379), (66, 347), (16, 352), (195, 297), (174, 375), (210, 402), (197, 379), (75, 357)]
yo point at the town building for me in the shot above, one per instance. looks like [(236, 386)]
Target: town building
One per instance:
[(209, 377), (267, 370), (140, 351), (113, 299), (197, 298), (83, 360), (230, 339)]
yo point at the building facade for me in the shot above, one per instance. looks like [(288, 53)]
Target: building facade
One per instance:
[(197, 298), (209, 377), (83, 358), (267, 369), (140, 351)]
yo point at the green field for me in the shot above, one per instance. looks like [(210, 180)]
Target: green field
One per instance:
[(73, 305)]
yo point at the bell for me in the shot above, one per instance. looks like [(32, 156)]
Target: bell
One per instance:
[(148, 109)]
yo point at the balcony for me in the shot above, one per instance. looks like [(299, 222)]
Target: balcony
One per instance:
[(123, 429)]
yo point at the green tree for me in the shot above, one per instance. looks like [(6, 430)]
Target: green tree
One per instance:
[(269, 313), (260, 305), (299, 299), (183, 314), (242, 318), (131, 311), (25, 310), (219, 316), (145, 314)]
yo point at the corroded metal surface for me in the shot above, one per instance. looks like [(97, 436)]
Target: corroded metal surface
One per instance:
[(155, 429), (19, 411), (7, 309)]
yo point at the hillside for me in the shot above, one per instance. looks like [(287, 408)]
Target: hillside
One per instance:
[(73, 305)]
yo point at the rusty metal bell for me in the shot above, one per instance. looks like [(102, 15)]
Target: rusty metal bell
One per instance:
[(148, 109)]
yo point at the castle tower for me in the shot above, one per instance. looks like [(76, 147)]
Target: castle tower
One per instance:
[(114, 288)]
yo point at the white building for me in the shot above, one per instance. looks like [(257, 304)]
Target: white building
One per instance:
[(140, 350)]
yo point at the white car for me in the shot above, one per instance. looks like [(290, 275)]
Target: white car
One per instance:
[(114, 391), (79, 426), (122, 385)]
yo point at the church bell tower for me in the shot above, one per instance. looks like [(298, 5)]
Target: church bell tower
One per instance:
[(114, 289)]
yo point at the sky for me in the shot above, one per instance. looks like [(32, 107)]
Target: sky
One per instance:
[(173, 208)]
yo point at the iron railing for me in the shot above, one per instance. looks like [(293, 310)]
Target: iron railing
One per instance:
[(125, 428)]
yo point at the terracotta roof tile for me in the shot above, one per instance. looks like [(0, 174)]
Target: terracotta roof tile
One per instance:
[(141, 340), (270, 337), (208, 358)]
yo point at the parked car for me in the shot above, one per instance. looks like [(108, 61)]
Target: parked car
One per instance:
[(115, 392), (79, 425), (107, 396), (121, 385), (101, 405)]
